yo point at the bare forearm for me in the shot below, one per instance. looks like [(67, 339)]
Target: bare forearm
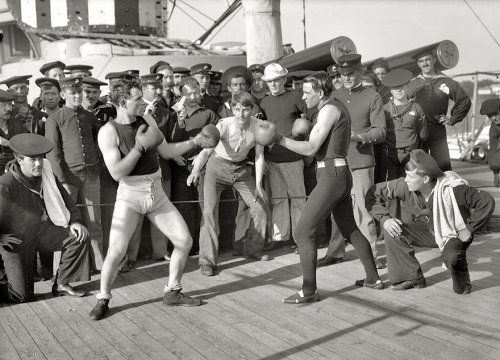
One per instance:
[(172, 150), (124, 166), (305, 148)]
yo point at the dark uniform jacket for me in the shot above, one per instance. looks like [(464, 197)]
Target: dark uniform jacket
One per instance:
[(21, 210), (367, 120), (494, 153), (413, 205), (104, 112), (14, 127), (35, 124), (74, 135), (210, 102), (433, 95)]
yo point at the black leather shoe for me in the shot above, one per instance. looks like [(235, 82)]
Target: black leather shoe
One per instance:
[(378, 285), (60, 290), (329, 260), (100, 309), (237, 252), (273, 245), (258, 257), (207, 270), (410, 284)]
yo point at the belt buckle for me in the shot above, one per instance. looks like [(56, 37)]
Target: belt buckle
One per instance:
[(320, 164)]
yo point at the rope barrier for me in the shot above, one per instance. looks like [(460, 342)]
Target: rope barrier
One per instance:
[(198, 201)]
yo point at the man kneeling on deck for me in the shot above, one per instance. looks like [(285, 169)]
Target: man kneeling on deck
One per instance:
[(435, 212), (37, 214)]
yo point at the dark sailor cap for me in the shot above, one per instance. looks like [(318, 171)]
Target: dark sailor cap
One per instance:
[(7, 96), (89, 81), (52, 65), (181, 70), (21, 79), (78, 68), (397, 77), (216, 77), (423, 52), (490, 106), (257, 68), (348, 63), (50, 81), (203, 68), (152, 79), (425, 162), (30, 145), (158, 66), (71, 82), (380, 63)]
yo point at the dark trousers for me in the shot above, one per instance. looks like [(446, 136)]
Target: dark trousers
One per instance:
[(403, 265), (392, 163), (437, 146), (20, 267), (192, 211), (331, 195)]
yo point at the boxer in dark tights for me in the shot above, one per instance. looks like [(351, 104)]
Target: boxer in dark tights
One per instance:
[(329, 141)]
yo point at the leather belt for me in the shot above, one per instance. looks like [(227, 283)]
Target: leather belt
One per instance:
[(336, 162)]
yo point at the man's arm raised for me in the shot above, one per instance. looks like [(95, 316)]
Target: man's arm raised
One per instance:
[(327, 117), (108, 144)]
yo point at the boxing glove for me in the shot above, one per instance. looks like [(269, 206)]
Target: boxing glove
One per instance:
[(301, 128), (266, 133), (208, 137), (147, 138)]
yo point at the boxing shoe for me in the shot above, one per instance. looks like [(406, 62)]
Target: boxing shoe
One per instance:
[(300, 298), (176, 298), (409, 284), (100, 309)]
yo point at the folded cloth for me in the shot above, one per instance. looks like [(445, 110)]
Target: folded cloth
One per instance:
[(54, 202), (448, 222)]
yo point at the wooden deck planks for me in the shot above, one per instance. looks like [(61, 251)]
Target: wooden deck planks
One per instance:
[(243, 318)]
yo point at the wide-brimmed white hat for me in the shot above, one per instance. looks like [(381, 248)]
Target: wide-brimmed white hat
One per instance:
[(274, 71)]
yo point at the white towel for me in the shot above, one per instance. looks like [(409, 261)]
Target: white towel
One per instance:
[(448, 221), (54, 202)]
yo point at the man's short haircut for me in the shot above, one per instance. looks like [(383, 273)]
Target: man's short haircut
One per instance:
[(237, 75), (320, 81), (122, 91), (244, 99), (190, 82), (48, 86)]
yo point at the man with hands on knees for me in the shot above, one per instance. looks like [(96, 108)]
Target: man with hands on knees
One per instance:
[(227, 166), (437, 210), (37, 214), (130, 146)]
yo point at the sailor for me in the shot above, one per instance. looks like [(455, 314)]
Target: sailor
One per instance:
[(433, 91), (75, 159), (37, 214), (202, 72), (437, 210), (30, 117)]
